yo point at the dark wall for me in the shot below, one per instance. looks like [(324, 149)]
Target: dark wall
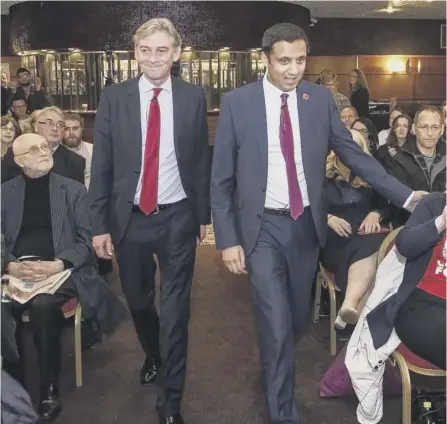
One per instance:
[(89, 25), (6, 39), (333, 37)]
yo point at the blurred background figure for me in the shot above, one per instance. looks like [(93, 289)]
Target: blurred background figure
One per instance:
[(359, 92), (330, 80), (10, 131)]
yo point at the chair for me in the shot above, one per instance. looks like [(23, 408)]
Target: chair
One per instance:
[(405, 359), (326, 279), (70, 309)]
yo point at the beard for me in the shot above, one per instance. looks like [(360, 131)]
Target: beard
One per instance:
[(72, 142)]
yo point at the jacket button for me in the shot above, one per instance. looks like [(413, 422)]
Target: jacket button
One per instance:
[(137, 172), (259, 215), (130, 201), (376, 368), (263, 190), (380, 362)]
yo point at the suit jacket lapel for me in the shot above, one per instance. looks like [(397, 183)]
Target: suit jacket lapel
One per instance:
[(305, 111), (57, 198), (259, 120), (16, 208), (134, 120), (179, 103)]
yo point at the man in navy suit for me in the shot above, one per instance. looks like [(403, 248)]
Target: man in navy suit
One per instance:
[(269, 210)]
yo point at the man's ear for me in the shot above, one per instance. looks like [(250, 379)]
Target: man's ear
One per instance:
[(18, 162)]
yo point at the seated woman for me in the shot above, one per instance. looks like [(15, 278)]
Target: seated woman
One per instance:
[(421, 321), (400, 131), (10, 130), (356, 219), (369, 132)]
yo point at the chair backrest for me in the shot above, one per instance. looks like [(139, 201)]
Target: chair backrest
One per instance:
[(387, 245)]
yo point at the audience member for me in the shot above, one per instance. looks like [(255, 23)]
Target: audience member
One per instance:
[(33, 93), (10, 130), (420, 163), (399, 135), (444, 114), (45, 215), (383, 135), (6, 92), (369, 132), (356, 218), (19, 112), (74, 126), (50, 123), (330, 80), (359, 92), (348, 115)]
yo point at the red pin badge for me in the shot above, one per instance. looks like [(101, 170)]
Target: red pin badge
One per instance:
[(305, 96)]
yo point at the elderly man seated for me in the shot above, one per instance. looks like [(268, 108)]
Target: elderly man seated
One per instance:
[(45, 215)]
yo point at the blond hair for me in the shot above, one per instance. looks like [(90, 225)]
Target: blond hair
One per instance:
[(157, 25), (333, 164), (35, 116)]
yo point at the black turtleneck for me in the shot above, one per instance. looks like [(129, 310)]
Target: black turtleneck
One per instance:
[(36, 236)]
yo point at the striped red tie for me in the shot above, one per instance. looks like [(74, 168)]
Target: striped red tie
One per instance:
[(149, 189)]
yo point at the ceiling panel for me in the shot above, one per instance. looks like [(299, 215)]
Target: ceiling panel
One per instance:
[(409, 9)]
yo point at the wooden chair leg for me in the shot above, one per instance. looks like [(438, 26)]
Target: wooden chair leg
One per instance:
[(406, 388), (78, 345), (333, 316), (317, 301)]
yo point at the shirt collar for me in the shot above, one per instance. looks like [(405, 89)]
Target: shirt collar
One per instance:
[(272, 90), (145, 85)]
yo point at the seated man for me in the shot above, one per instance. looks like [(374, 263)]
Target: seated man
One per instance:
[(45, 215)]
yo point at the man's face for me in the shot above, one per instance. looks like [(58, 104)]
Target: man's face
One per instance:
[(73, 133), (34, 155), (4, 79), (24, 78), (393, 115), (19, 108), (348, 116), (286, 64), (428, 129), (332, 86), (155, 55), (51, 126)]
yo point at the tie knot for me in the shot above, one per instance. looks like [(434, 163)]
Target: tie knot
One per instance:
[(156, 92), (284, 97)]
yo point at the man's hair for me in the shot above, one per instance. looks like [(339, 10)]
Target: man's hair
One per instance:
[(17, 98), (431, 109), (21, 70), (157, 25), (349, 107), (283, 32), (443, 104), (38, 113), (72, 116)]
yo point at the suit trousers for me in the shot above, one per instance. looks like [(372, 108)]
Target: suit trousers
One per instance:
[(46, 322), (281, 269), (171, 235)]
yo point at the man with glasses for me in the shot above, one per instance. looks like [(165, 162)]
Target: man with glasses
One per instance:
[(421, 162), (50, 124), (46, 229)]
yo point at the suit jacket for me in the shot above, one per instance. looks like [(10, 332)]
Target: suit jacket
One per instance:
[(117, 154), (239, 172), (72, 241), (66, 163)]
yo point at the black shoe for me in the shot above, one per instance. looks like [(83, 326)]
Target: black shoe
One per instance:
[(50, 407), (148, 372)]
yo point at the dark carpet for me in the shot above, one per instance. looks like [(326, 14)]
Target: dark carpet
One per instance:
[(223, 382)]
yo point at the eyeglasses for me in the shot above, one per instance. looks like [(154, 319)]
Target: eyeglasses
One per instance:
[(35, 150), (9, 129), (425, 128), (49, 123), (364, 131)]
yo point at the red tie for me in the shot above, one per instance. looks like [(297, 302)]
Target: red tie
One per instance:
[(149, 189)]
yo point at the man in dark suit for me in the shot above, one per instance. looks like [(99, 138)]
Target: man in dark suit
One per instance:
[(269, 210), (50, 123), (149, 193), (45, 215)]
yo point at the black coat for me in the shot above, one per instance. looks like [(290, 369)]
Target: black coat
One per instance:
[(360, 100), (416, 242), (35, 101), (66, 163)]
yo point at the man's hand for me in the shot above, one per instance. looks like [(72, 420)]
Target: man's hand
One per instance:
[(371, 224), (35, 270), (103, 246), (340, 226), (202, 234), (441, 221), (416, 197), (234, 259)]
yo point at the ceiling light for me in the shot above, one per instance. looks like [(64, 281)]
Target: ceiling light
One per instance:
[(390, 8)]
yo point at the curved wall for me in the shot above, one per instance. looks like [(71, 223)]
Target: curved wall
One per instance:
[(90, 25)]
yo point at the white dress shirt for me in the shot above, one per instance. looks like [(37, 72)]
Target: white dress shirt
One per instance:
[(85, 150), (170, 187), (277, 192)]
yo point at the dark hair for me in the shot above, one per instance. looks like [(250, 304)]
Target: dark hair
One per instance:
[(373, 137), (19, 97), (21, 70), (72, 116), (428, 108), (283, 32), (392, 140)]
